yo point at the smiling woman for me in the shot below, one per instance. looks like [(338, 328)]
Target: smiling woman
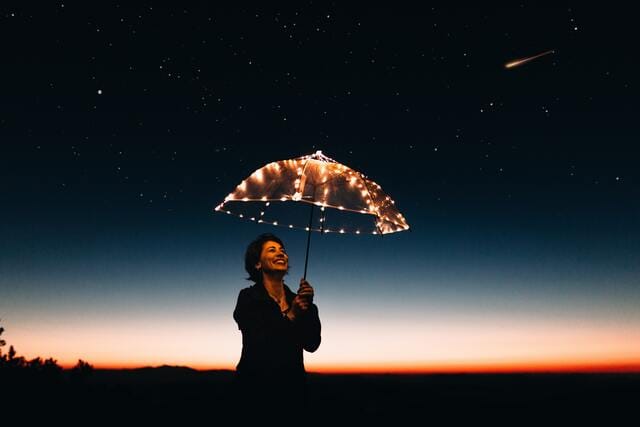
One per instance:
[(277, 325)]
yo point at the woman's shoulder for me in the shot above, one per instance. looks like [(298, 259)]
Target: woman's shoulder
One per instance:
[(249, 290)]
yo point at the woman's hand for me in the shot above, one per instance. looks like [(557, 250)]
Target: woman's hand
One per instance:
[(302, 300)]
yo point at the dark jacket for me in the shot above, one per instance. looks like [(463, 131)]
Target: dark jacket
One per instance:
[(271, 343)]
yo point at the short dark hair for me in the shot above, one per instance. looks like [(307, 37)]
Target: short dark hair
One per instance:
[(252, 255)]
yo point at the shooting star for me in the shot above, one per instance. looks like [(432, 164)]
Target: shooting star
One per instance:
[(525, 60)]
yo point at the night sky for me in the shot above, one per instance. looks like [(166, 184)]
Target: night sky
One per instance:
[(122, 127)]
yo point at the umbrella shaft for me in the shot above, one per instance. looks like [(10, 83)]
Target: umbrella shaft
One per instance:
[(306, 259)]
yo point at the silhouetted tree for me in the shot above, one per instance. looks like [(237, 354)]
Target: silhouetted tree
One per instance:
[(2, 342), (51, 371), (81, 371), (13, 361), (36, 372), (35, 364), (47, 370)]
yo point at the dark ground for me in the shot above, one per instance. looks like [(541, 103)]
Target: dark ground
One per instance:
[(189, 397)]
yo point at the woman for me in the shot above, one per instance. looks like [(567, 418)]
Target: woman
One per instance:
[(276, 323)]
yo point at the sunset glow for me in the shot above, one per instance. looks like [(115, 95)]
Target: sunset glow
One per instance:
[(431, 347)]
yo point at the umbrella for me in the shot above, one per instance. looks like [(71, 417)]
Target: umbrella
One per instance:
[(269, 194)]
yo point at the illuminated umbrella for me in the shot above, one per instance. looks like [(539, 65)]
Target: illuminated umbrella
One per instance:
[(270, 194)]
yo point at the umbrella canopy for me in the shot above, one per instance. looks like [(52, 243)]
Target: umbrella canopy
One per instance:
[(320, 181), (314, 180)]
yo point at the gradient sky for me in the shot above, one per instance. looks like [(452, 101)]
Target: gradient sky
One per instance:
[(122, 127)]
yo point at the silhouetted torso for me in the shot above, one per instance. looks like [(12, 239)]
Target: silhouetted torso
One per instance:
[(272, 345)]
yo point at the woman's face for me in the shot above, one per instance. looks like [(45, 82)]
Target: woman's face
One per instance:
[(273, 257)]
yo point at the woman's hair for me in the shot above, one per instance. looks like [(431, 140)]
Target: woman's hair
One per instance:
[(252, 255)]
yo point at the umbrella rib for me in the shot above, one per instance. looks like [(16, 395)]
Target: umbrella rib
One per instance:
[(371, 198), (301, 190)]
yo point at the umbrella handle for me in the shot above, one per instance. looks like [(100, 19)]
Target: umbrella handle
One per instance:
[(306, 259)]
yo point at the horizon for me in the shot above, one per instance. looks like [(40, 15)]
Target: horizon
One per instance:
[(630, 368)]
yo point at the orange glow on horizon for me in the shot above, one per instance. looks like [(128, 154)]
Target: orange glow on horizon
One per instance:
[(505, 368), (436, 344), (632, 366)]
